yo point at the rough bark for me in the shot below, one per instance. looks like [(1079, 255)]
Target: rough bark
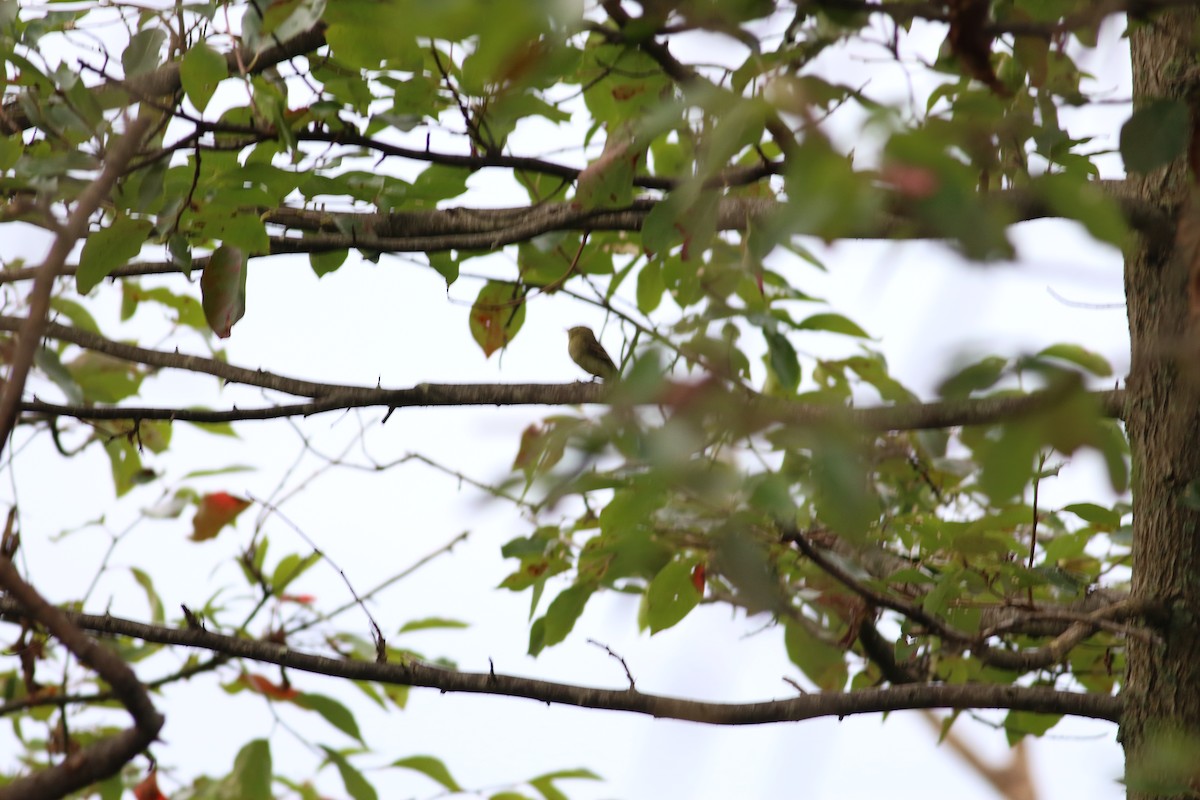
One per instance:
[(1162, 690)]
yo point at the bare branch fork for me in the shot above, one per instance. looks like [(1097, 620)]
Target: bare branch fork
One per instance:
[(809, 706)]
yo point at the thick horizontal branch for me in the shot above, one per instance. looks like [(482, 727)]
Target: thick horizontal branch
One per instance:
[(881, 418), (826, 704), (470, 229), (491, 228), (332, 397)]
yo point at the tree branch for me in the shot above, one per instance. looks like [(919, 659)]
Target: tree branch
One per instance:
[(729, 177), (482, 229), (176, 360), (918, 416), (906, 12), (165, 80), (1054, 652), (29, 328), (106, 756), (811, 706), (491, 228)]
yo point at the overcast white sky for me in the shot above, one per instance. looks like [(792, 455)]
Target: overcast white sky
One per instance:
[(395, 323)]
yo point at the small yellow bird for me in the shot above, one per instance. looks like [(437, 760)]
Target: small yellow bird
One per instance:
[(590, 354)]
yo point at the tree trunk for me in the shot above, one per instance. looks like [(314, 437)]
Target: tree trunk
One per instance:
[(1161, 723)]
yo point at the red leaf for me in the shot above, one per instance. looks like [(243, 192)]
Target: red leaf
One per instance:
[(216, 510), (530, 449), (699, 573), (147, 789), (303, 599), (909, 181), (267, 687)]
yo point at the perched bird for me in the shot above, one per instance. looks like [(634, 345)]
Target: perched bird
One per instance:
[(590, 354)]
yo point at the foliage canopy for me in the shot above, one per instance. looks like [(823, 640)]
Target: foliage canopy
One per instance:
[(658, 162)]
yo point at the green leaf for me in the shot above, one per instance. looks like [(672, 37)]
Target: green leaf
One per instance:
[(944, 593), (671, 595), (1019, 724), (1095, 514), (179, 252), (239, 228), (834, 323), (334, 713), (103, 378), (251, 775), (147, 583), (356, 785), (1006, 462), (821, 662), (109, 248), (200, 70), (621, 83), (1155, 135), (112, 788), (826, 196), (438, 182), (445, 265), (79, 316), (560, 617), (781, 357), (771, 493), (49, 363), (974, 378), (1076, 197), (282, 21), (432, 622), (188, 310), (216, 428), (581, 773), (1092, 362), (430, 767), (11, 148), (289, 568), (223, 289), (144, 52), (326, 262), (650, 286), (746, 563), (607, 182), (873, 370), (659, 230), (497, 315), (206, 473), (841, 491), (125, 462), (551, 258)]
